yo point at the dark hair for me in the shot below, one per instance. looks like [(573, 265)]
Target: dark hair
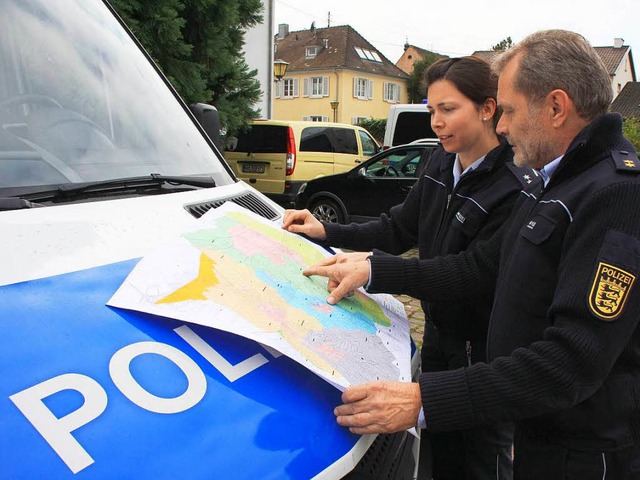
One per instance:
[(471, 75)]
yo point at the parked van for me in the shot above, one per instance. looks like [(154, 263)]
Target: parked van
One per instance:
[(277, 156), (406, 123), (101, 162)]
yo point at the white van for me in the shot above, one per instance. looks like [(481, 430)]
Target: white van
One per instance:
[(406, 123), (100, 163)]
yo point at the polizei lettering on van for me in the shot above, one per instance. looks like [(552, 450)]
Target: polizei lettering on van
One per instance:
[(58, 431)]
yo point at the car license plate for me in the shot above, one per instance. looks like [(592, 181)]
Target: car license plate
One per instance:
[(252, 168)]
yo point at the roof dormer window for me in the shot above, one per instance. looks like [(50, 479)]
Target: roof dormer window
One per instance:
[(311, 52), (370, 55)]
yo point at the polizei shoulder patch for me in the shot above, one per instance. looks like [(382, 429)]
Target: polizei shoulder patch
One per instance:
[(609, 292)]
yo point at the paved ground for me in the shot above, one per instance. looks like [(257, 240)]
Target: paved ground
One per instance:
[(413, 309)]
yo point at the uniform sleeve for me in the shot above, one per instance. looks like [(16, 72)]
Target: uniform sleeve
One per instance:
[(395, 233), (593, 318), (467, 276)]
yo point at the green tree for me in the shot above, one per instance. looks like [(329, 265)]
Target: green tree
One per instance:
[(417, 86), (631, 130), (503, 45), (198, 45), (375, 126)]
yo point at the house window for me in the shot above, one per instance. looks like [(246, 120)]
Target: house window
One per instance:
[(311, 52), (362, 88), (289, 88), (315, 118), (316, 87), (391, 92), (357, 120), (366, 54)]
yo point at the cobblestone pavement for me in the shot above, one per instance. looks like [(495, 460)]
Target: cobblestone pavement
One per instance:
[(413, 309)]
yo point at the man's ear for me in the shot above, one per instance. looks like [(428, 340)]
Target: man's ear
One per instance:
[(559, 105)]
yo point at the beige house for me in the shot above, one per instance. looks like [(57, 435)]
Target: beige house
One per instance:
[(334, 74), (413, 54), (617, 60)]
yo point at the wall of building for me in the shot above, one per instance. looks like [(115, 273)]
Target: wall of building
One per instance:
[(258, 53), (623, 75), (340, 88), (408, 58)]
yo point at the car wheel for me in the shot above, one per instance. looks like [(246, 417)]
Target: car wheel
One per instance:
[(327, 211)]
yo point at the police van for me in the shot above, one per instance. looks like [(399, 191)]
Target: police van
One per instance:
[(100, 162)]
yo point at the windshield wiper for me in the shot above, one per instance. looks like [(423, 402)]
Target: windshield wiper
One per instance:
[(15, 203), (204, 181)]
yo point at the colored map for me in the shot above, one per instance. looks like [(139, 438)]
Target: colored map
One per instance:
[(238, 272)]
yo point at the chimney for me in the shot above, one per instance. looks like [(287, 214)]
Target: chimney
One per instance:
[(618, 42), (283, 30)]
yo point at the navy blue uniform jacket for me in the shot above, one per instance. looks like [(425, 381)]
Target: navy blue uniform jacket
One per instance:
[(441, 220), (563, 335)]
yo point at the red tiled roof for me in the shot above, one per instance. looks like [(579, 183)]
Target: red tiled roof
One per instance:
[(627, 103), (338, 53), (612, 57)]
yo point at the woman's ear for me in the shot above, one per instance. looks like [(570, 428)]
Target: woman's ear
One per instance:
[(489, 108)]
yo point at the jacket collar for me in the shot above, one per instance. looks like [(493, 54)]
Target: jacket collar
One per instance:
[(494, 159), (592, 144)]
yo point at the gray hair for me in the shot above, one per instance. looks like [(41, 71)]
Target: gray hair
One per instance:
[(559, 59)]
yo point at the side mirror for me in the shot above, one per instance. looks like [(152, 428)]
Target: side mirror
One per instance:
[(209, 120), (362, 172)]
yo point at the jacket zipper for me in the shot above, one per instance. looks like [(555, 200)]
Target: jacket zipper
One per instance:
[(468, 350)]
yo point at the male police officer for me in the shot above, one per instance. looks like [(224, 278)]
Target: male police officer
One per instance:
[(563, 337)]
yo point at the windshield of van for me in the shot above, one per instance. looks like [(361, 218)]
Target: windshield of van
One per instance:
[(412, 126), (260, 139), (79, 102)]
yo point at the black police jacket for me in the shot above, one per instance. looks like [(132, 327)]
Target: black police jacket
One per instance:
[(440, 219), (563, 335)]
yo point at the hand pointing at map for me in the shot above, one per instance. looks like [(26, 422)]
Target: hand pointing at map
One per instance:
[(346, 273)]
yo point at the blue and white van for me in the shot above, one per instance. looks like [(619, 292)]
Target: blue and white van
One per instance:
[(100, 162)]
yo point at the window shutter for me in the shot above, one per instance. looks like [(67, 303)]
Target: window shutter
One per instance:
[(355, 87), (369, 89), (305, 87), (296, 87), (385, 90), (325, 86), (306, 119), (325, 119), (277, 91)]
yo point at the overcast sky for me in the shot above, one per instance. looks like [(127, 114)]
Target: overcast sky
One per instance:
[(459, 27)]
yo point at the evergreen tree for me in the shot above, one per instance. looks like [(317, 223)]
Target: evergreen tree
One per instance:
[(417, 86), (631, 130), (503, 45), (198, 45)]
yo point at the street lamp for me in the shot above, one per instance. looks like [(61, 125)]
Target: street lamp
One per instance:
[(279, 69), (334, 107)]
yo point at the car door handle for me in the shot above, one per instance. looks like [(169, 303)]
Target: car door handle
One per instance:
[(406, 189), (358, 161)]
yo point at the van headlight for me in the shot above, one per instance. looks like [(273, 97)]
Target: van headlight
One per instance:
[(302, 188)]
